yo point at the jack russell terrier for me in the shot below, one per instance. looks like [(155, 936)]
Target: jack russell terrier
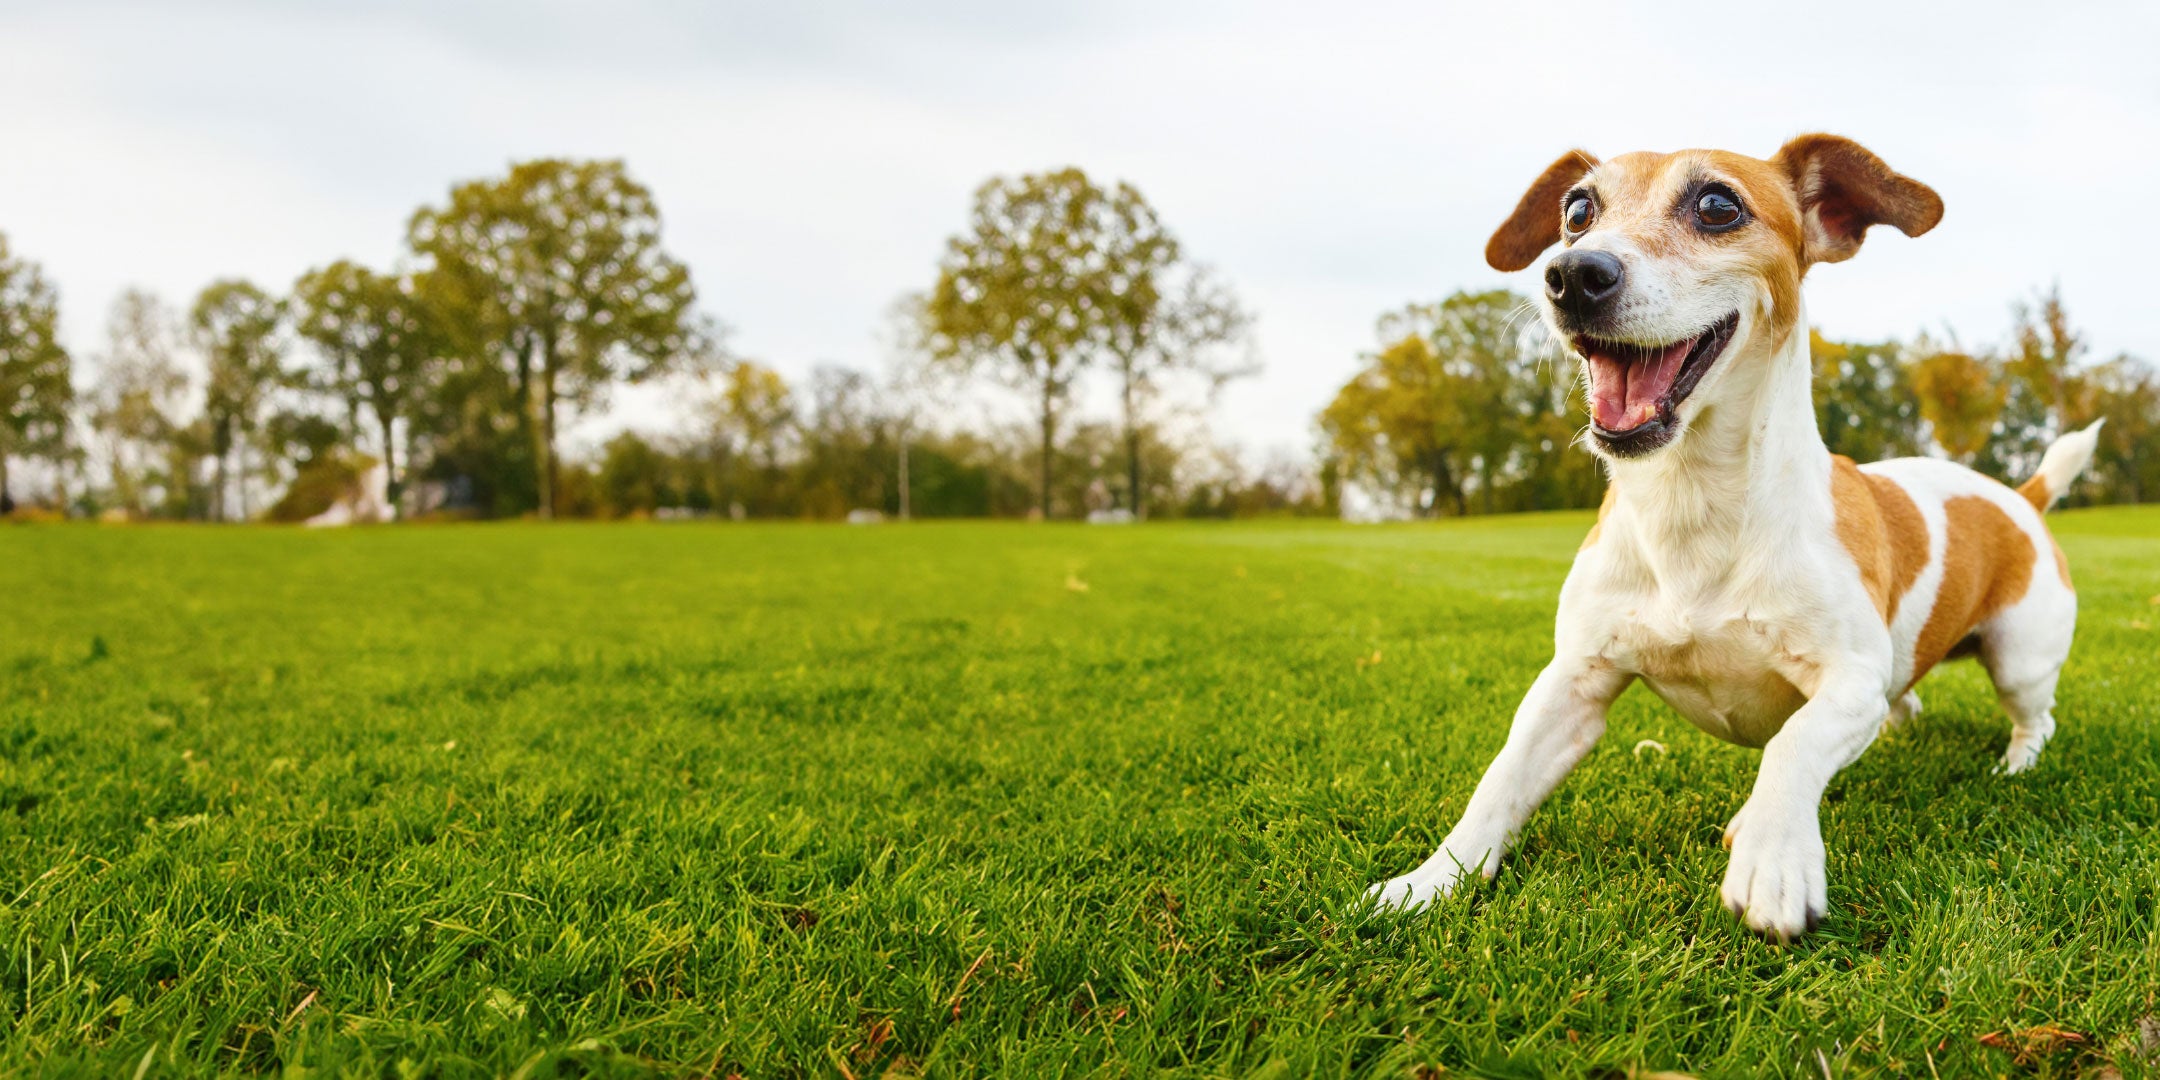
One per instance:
[(1773, 593)]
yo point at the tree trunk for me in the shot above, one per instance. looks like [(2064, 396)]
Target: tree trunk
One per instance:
[(217, 496), (391, 486), (7, 502), (240, 452), (1049, 429), (904, 507), (1132, 448), (544, 438)]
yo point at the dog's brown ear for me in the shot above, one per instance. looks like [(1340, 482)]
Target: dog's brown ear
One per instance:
[(1844, 188), (1535, 224)]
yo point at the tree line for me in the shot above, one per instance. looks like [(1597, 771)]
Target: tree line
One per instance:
[(1468, 407), (523, 300)]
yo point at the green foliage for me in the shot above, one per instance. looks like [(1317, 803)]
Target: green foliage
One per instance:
[(36, 390), (556, 270), (983, 800), (1464, 397), (239, 329), (377, 337), (1048, 266), (319, 483), (1865, 404), (136, 409)]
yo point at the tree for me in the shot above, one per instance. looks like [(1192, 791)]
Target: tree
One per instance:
[(136, 404), (2126, 393), (1463, 394), (748, 424), (557, 269), (1162, 329), (239, 329), (376, 336), (1864, 400), (1960, 399), (36, 389), (1396, 425), (1027, 289)]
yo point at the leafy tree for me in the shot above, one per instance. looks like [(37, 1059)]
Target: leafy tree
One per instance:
[(36, 390), (1864, 399), (2044, 391), (1397, 424), (748, 426), (2125, 392), (1026, 290), (136, 405), (847, 451), (239, 329), (1960, 399), (1163, 329), (376, 336), (1462, 396), (557, 269), (634, 477)]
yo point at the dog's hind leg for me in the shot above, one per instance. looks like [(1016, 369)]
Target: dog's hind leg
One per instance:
[(2030, 701), (2024, 657)]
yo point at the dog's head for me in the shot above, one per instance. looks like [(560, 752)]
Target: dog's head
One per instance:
[(1674, 262)]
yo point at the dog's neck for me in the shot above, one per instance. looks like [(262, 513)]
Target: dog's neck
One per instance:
[(1743, 460)]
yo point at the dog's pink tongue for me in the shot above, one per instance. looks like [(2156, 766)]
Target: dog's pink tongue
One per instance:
[(1627, 383)]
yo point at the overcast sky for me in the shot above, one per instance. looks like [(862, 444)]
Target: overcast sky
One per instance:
[(810, 158)]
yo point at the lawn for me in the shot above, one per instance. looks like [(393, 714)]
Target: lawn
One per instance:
[(988, 799)]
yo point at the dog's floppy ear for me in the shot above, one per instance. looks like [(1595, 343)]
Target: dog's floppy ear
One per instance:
[(1844, 188), (1535, 224)]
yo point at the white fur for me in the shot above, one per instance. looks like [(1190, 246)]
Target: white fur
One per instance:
[(1718, 578)]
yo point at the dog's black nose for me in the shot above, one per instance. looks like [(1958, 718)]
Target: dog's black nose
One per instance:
[(1580, 283)]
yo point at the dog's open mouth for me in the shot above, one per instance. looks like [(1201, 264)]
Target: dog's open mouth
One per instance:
[(1635, 388)]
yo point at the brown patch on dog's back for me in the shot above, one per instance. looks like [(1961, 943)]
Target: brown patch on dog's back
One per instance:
[(1987, 566), (1882, 530)]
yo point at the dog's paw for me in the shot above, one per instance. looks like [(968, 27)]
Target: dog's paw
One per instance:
[(1776, 882), (2023, 752), (1430, 883), (1408, 892), (1905, 708)]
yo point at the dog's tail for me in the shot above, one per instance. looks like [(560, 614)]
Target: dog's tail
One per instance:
[(2065, 459)]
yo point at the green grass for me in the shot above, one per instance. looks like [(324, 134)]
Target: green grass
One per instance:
[(987, 799)]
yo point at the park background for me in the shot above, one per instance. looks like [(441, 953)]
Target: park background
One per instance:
[(732, 262), (497, 796)]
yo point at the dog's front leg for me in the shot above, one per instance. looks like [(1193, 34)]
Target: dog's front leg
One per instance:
[(1776, 881), (1557, 723)]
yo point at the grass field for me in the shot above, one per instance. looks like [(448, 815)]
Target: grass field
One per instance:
[(988, 799)]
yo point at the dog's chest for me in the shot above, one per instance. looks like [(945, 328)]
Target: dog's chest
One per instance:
[(1720, 670)]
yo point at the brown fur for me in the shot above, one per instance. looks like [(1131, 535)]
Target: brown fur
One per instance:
[(1535, 224), (1987, 566), (1882, 529), (2062, 564), (1640, 194), (1598, 526), (1844, 189), (2036, 492)]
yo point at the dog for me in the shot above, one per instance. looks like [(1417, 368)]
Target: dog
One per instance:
[(1775, 594)]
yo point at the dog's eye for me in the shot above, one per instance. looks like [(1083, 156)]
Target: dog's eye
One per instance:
[(1717, 208), (1579, 213)]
